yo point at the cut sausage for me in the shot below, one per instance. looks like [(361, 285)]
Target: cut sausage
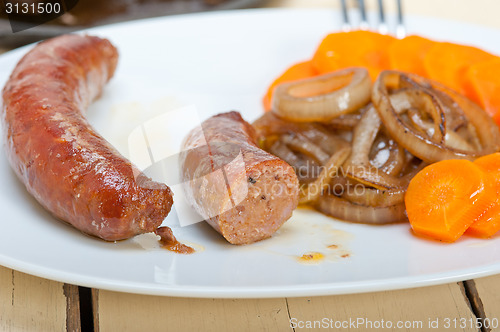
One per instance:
[(71, 170), (243, 192)]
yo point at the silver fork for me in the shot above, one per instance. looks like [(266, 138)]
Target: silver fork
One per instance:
[(382, 23)]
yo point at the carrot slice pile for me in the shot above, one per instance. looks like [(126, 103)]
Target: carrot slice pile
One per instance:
[(353, 49), (296, 72), (448, 63), (445, 198), (408, 54), (484, 82), (488, 224)]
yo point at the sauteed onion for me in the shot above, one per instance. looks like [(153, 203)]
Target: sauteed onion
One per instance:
[(324, 97), (355, 160)]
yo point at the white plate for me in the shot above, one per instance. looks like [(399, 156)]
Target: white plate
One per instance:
[(217, 62)]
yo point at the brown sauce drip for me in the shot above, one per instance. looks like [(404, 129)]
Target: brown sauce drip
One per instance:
[(169, 242), (311, 257)]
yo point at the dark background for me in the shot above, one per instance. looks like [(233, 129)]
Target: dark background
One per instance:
[(89, 13)]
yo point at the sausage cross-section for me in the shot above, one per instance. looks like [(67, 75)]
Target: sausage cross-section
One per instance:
[(243, 192), (68, 167)]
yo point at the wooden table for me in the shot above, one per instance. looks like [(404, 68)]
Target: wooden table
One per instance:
[(29, 303)]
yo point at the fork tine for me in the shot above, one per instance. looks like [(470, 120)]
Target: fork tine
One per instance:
[(382, 24), (400, 27), (345, 25), (364, 21)]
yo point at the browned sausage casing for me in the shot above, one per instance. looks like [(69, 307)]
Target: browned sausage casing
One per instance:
[(242, 191), (71, 170)]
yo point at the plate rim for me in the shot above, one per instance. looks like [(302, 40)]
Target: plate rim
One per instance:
[(320, 289)]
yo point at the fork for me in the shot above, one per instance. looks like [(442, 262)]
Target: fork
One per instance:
[(382, 23)]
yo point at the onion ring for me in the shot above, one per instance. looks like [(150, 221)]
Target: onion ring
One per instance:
[(451, 138), (313, 190), (269, 125), (324, 97), (343, 209), (368, 196), (396, 158), (420, 145), (345, 121), (307, 170), (358, 165), (300, 143), (419, 100)]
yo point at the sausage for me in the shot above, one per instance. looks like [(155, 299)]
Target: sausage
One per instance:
[(242, 191), (69, 168)]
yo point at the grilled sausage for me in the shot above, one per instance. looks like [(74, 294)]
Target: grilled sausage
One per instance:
[(243, 192), (71, 170)]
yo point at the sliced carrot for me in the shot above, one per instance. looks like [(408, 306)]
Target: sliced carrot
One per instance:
[(447, 63), (353, 49), (490, 164), (484, 86), (408, 54), (445, 198), (296, 72), (488, 224)]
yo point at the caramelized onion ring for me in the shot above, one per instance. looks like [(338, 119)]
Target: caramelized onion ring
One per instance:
[(420, 145), (342, 209), (345, 121), (358, 165), (324, 97), (455, 117), (269, 125), (419, 100), (313, 190), (451, 139), (396, 158), (375, 197), (300, 143), (307, 170), (369, 196)]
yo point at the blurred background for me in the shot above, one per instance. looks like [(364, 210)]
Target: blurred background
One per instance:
[(88, 13)]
